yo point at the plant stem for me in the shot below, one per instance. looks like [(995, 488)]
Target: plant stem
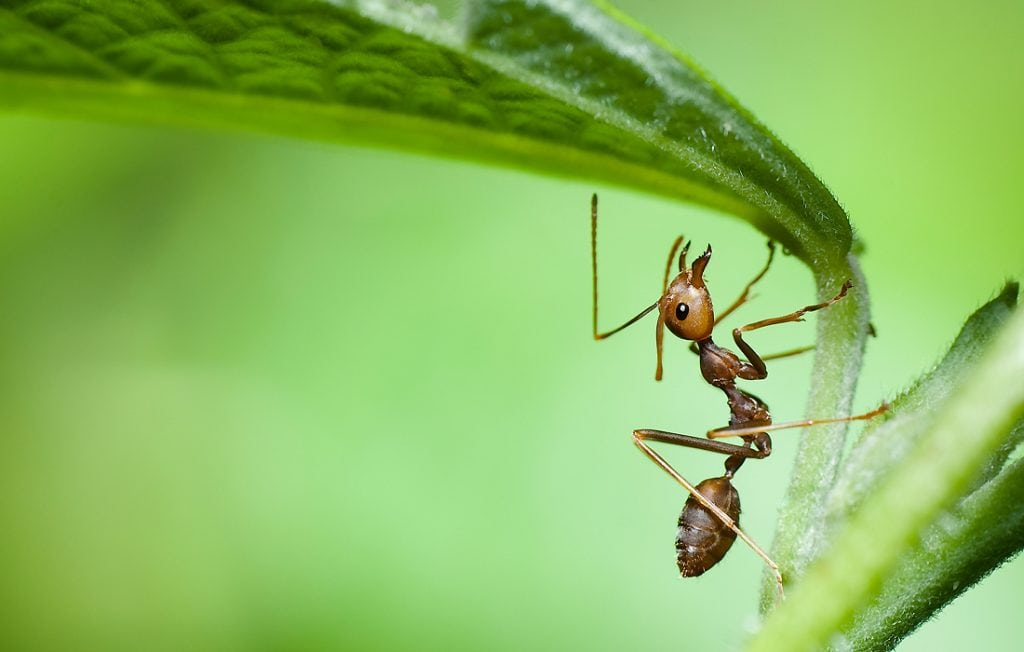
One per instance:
[(842, 330)]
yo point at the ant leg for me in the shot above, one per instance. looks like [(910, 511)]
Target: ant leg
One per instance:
[(745, 295), (787, 354), (754, 427), (640, 437), (771, 356), (757, 370), (699, 443)]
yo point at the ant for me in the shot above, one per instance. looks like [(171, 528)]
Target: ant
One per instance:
[(709, 522)]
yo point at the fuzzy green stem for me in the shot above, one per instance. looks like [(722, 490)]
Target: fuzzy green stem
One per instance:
[(842, 330)]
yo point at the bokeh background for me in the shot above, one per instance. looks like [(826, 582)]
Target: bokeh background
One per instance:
[(268, 394)]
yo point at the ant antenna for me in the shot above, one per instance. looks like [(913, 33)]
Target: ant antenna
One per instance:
[(593, 265), (671, 257), (659, 334)]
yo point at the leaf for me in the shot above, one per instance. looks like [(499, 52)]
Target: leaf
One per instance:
[(885, 444), (969, 430), (970, 541), (985, 527), (555, 86)]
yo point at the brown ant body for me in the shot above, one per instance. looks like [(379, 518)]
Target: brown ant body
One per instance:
[(709, 522)]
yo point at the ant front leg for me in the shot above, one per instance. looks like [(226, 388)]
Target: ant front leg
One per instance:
[(720, 493), (742, 299), (745, 295), (757, 369), (789, 353)]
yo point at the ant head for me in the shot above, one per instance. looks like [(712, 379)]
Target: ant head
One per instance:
[(686, 305)]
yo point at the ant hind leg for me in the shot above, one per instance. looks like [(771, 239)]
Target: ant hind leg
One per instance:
[(640, 438), (755, 427)]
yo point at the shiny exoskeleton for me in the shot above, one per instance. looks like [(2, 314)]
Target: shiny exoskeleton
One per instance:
[(709, 522), (702, 540)]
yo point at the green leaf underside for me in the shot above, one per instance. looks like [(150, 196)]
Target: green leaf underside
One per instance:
[(557, 86), (918, 542)]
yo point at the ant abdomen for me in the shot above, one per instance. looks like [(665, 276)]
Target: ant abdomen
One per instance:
[(703, 539)]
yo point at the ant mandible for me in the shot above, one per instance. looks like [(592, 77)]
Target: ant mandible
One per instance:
[(709, 522)]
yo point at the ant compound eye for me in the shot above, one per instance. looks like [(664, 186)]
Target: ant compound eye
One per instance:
[(682, 310)]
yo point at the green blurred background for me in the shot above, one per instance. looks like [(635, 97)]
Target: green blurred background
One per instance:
[(269, 394)]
